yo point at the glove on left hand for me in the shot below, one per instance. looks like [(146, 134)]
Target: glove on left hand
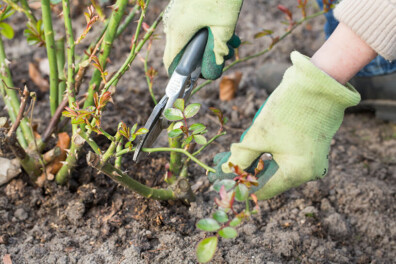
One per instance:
[(184, 18)]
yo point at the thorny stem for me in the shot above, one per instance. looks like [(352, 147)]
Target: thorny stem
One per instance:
[(134, 51), (148, 79), (11, 99), (62, 175), (110, 35), (127, 21), (181, 191), (261, 52), (51, 54), (28, 12), (60, 60), (24, 9)]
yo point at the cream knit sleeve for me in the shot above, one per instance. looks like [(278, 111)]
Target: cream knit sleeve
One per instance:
[(372, 20)]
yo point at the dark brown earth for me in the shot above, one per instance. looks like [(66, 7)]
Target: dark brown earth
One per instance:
[(348, 217)]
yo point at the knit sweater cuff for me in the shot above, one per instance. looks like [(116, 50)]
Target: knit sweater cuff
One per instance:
[(373, 21)]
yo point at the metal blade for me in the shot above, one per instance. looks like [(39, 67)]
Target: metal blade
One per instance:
[(154, 126)]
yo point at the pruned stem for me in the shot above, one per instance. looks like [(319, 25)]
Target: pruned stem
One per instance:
[(51, 53), (181, 191)]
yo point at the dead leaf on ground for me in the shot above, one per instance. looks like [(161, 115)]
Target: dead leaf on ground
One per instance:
[(7, 259), (37, 78), (229, 85)]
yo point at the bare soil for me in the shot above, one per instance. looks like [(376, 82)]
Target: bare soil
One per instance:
[(348, 217)]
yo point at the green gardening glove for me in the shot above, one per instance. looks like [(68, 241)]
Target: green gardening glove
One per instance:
[(184, 18), (296, 126)]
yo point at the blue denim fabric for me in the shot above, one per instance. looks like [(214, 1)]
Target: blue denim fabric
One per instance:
[(378, 66)]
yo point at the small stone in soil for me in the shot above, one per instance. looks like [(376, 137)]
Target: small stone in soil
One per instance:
[(21, 214)]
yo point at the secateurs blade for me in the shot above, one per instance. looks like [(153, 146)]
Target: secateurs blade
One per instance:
[(180, 85)]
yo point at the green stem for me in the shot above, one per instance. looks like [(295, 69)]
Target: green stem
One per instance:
[(60, 59), (51, 53), (184, 169), (127, 21), (63, 174), (126, 181), (115, 19), (261, 52), (118, 160), (175, 162), (90, 142), (112, 148), (12, 100), (183, 151), (149, 81), (28, 12)]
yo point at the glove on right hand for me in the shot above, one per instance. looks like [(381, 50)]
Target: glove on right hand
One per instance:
[(296, 126)]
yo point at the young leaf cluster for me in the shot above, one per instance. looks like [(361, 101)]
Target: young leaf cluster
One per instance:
[(225, 220), (180, 113), (131, 133), (34, 33)]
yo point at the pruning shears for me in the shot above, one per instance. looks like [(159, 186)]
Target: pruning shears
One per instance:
[(180, 85)]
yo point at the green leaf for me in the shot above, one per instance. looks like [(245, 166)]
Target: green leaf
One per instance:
[(8, 14), (228, 232), (220, 216), (235, 222), (241, 193), (201, 140), (208, 224), (228, 184), (206, 249), (175, 133), (263, 33), (178, 125), (141, 131), (133, 129), (192, 110), (173, 114), (55, 2), (128, 144), (179, 104), (187, 141), (197, 128), (6, 30)]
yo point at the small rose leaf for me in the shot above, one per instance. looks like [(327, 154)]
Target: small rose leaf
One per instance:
[(173, 114), (191, 110), (241, 193), (228, 232), (220, 216), (206, 249), (208, 224)]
